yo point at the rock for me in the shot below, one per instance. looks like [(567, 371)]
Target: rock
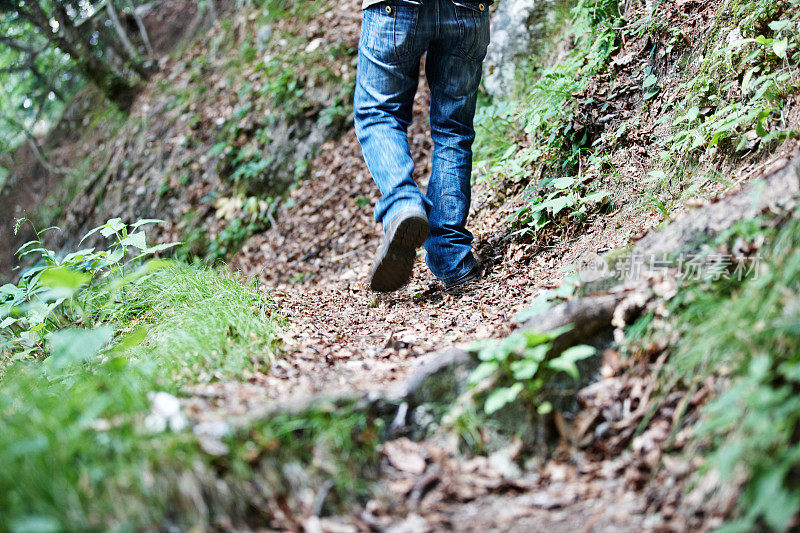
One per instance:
[(166, 412), (405, 456), (264, 35), (411, 524), (516, 25), (215, 429), (213, 447), (505, 465), (313, 45)]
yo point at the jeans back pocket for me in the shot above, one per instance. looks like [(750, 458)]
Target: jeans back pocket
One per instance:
[(473, 27), (389, 29)]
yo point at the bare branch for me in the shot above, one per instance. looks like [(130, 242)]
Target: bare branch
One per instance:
[(21, 46), (121, 34), (142, 30), (37, 152)]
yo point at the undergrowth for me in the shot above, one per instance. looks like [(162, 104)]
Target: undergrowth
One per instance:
[(734, 103), (746, 334), (730, 106), (532, 139), (97, 347), (287, 86)]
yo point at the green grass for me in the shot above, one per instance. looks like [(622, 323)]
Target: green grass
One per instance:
[(203, 323), (82, 446), (57, 465), (749, 332)]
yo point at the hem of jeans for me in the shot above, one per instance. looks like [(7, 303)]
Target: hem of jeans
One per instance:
[(405, 205), (463, 273)]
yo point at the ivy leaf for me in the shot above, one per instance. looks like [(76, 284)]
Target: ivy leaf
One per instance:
[(528, 367), (482, 371), (779, 25), (649, 81), (558, 203), (651, 93), (566, 361), (780, 47), (761, 131), (595, 196), (115, 225), (501, 397), (765, 41), (563, 183), (161, 247), (137, 240), (534, 337), (145, 221)]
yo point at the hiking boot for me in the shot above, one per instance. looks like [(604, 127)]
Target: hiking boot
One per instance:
[(394, 261), (461, 284)]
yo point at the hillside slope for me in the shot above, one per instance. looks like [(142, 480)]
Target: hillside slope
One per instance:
[(631, 125)]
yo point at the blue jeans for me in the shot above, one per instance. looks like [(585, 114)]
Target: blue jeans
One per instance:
[(394, 36)]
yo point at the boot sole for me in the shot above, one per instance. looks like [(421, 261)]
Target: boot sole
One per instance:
[(395, 261)]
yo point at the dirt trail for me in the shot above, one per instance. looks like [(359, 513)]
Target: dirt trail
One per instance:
[(345, 338), (316, 258)]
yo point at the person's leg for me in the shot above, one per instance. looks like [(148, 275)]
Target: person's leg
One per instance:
[(453, 68), (394, 36), (388, 68)]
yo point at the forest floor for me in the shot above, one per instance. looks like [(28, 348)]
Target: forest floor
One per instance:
[(316, 260), (343, 337), (610, 470)]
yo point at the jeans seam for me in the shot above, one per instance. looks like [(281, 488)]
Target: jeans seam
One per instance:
[(437, 21), (412, 34), (394, 35)]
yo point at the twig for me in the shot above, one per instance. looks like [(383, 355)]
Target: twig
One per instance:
[(319, 499), (121, 33), (142, 30), (645, 400)]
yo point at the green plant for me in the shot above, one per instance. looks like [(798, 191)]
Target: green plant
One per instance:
[(79, 287), (747, 331), (734, 104), (558, 198), (523, 363), (83, 446), (542, 132)]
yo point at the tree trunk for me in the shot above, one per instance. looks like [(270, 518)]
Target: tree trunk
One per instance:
[(118, 89)]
